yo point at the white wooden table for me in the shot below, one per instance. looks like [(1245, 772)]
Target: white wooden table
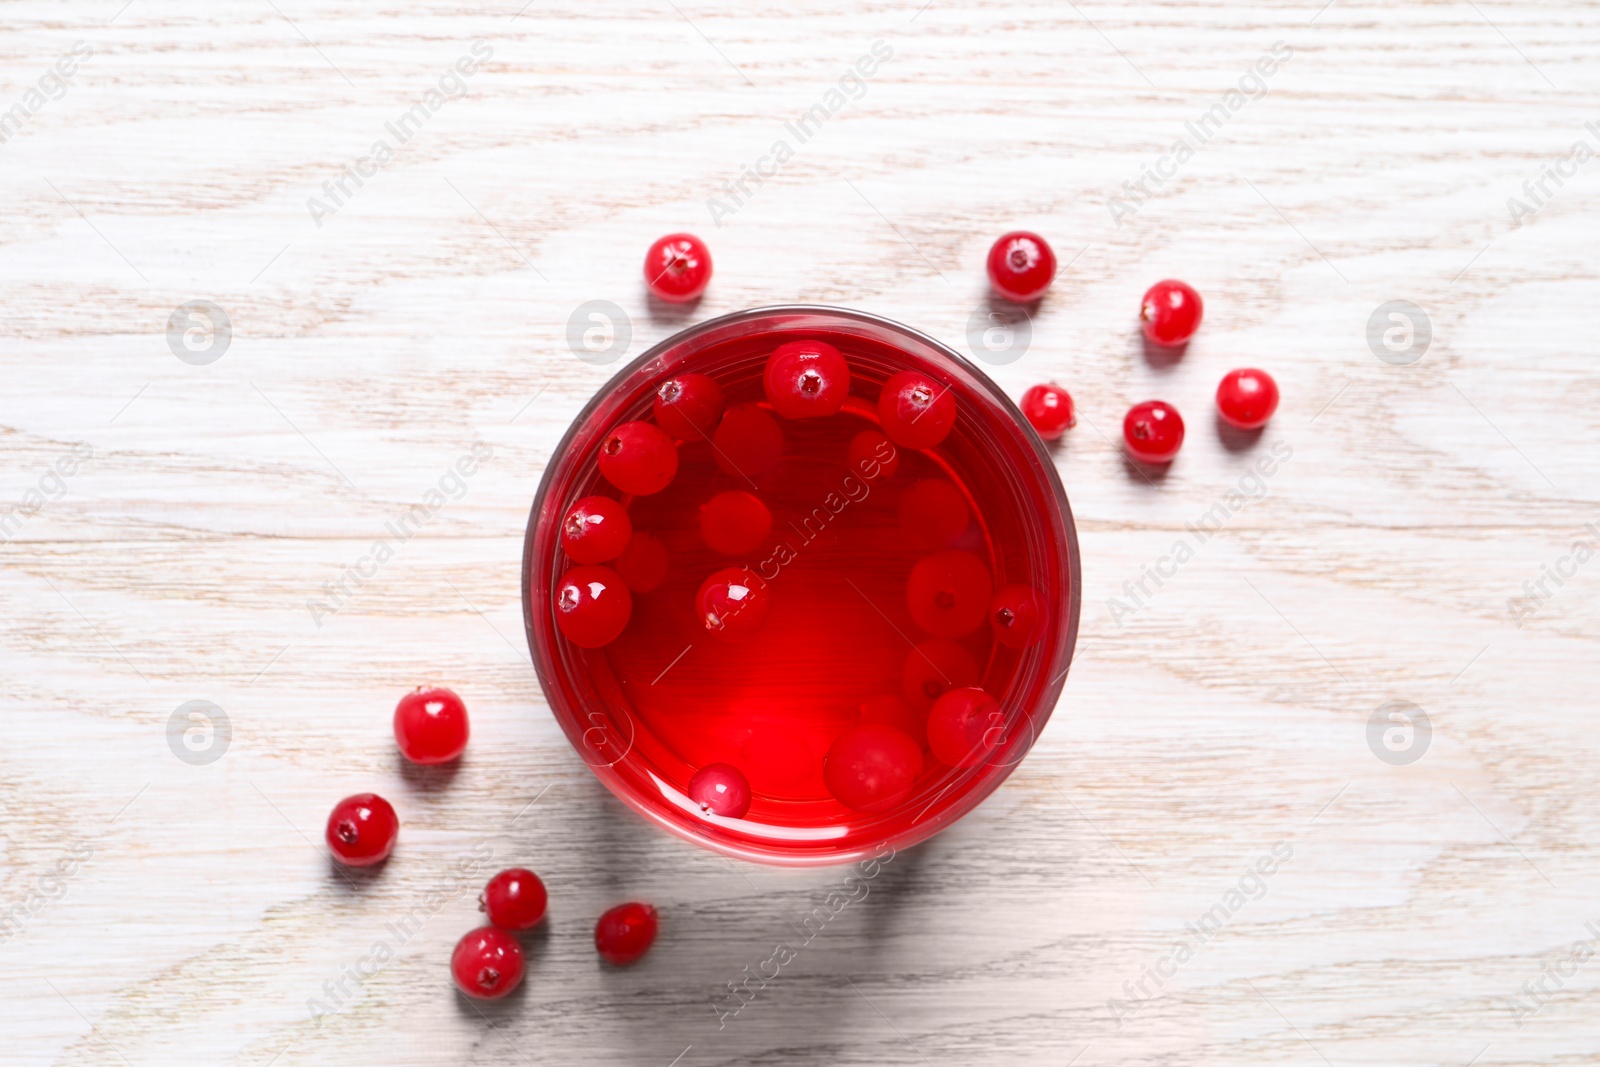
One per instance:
[(186, 512)]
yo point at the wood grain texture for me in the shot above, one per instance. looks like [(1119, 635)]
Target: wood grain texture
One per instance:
[(1227, 715)]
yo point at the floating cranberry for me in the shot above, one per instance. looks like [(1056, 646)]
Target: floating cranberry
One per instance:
[(934, 668), (514, 899), (625, 933), (964, 726), (871, 767), (948, 593), (592, 606), (1246, 398), (734, 522), (678, 267), (596, 529), (1048, 409), (688, 406), (1016, 615), (806, 379), (892, 710), (1021, 266), (643, 564), (721, 789), (1171, 313), (915, 410), (933, 513), (747, 441), (487, 963), (361, 830), (733, 602), (430, 726), (872, 455), (638, 458), (1153, 431)]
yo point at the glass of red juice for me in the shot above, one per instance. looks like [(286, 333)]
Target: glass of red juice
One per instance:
[(918, 605)]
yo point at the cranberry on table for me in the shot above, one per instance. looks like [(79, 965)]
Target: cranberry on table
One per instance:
[(872, 455), (1021, 266), (595, 529), (964, 726), (487, 963), (1171, 312), (734, 522), (933, 513), (592, 606), (1049, 410), (872, 766), (678, 267), (361, 830), (643, 564), (733, 602), (721, 789), (948, 593), (688, 406), (747, 442), (638, 458), (915, 410), (430, 726), (625, 933), (1246, 398), (1153, 431), (1016, 615), (932, 669), (806, 379), (515, 899)]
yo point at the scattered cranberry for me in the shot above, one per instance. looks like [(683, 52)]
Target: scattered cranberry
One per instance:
[(892, 710), (430, 726), (1016, 616), (1246, 398), (964, 726), (721, 789), (592, 606), (1171, 313), (596, 529), (734, 522), (678, 267), (625, 933), (948, 593), (933, 513), (872, 766), (638, 458), (748, 441), (643, 564), (1048, 409), (1021, 266), (514, 899), (871, 455), (487, 963), (688, 406), (733, 602), (806, 379), (362, 829), (934, 668), (916, 411), (1153, 431)]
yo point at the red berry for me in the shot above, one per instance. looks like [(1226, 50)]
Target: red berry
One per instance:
[(871, 455), (596, 529), (892, 710), (1171, 313), (721, 789), (1153, 431), (1247, 398), (625, 933), (1016, 615), (934, 668), (948, 593), (514, 899), (806, 379), (362, 829), (1021, 266), (733, 602), (964, 726), (916, 411), (638, 458), (933, 513), (487, 963), (871, 767), (734, 522), (748, 442), (678, 267), (592, 606), (688, 406), (1048, 409), (643, 564), (430, 726)]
